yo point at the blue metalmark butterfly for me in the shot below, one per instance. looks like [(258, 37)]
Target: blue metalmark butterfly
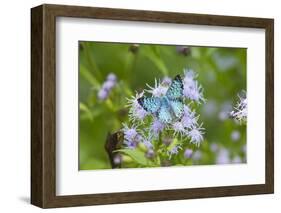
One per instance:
[(168, 107)]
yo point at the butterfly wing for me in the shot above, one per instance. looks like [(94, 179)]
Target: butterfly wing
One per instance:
[(151, 104), (166, 108), (175, 91), (177, 107), (164, 114)]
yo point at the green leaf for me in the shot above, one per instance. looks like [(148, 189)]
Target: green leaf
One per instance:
[(86, 110), (137, 155), (91, 62), (153, 55), (88, 76), (174, 143)]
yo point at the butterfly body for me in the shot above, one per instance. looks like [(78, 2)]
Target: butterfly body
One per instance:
[(168, 107)]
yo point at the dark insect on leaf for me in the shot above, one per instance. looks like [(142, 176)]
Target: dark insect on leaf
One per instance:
[(114, 142)]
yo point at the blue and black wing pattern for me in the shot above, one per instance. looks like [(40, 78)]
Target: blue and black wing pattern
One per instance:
[(177, 107), (164, 114), (170, 106), (150, 104), (175, 90)]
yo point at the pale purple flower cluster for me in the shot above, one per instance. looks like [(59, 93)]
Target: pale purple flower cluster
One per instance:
[(131, 137), (156, 127), (185, 125), (223, 156), (189, 119), (107, 86), (192, 90), (147, 143), (150, 153), (173, 151), (240, 110), (136, 112), (188, 153), (224, 112), (179, 128), (214, 147), (196, 135), (197, 155), (235, 135)]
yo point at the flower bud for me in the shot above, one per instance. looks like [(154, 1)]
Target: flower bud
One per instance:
[(184, 50), (134, 48), (142, 147), (188, 153), (126, 159), (150, 153)]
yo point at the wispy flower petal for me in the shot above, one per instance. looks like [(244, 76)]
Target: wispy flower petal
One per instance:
[(178, 128), (157, 127), (188, 119), (131, 136), (158, 90), (196, 135), (136, 112), (223, 156), (174, 151), (188, 153), (192, 90), (240, 111)]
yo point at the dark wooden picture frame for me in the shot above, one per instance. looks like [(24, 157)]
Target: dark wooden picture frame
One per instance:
[(43, 105)]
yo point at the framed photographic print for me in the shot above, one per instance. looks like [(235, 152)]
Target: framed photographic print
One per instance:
[(136, 106)]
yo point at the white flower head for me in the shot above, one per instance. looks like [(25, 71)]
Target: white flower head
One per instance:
[(189, 119), (196, 135), (156, 127), (131, 136), (191, 89), (223, 156), (158, 90), (240, 111), (173, 151), (147, 142), (179, 129), (136, 112), (235, 135)]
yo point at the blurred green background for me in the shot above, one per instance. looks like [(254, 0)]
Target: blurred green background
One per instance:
[(221, 72)]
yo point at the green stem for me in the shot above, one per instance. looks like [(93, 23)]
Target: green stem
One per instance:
[(160, 138), (91, 62), (110, 105), (158, 144), (132, 68)]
